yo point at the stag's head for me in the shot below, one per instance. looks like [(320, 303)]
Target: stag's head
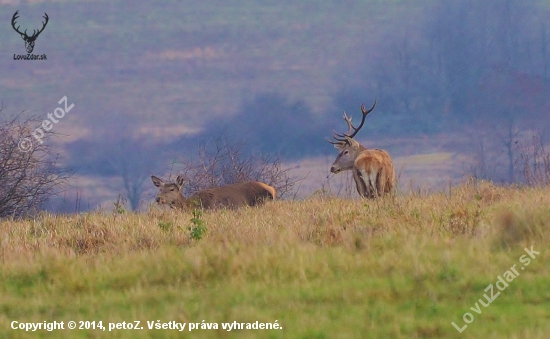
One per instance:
[(349, 148), (29, 40), (169, 192)]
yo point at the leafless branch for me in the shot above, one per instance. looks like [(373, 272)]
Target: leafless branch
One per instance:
[(225, 162), (28, 176)]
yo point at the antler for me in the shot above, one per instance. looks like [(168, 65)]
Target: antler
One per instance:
[(35, 34), (15, 17), (340, 138)]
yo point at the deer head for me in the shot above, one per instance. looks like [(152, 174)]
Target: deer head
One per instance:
[(169, 193), (29, 40), (348, 147)]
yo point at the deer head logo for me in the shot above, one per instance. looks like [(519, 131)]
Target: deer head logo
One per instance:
[(29, 40)]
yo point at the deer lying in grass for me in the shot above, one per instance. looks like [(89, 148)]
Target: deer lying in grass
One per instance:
[(249, 193), (373, 170)]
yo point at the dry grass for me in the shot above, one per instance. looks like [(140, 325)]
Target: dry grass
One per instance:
[(293, 261), (469, 210)]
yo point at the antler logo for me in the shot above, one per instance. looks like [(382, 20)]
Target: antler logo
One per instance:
[(29, 40)]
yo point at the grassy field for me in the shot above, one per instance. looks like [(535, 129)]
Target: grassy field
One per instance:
[(402, 267)]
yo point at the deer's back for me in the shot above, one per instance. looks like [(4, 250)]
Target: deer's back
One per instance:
[(249, 193)]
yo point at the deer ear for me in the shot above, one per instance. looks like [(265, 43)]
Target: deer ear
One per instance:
[(157, 181), (340, 146), (180, 181)]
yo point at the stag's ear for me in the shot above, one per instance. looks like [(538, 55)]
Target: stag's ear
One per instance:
[(157, 181), (180, 181), (340, 146)]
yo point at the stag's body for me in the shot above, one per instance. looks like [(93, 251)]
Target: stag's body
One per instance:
[(372, 169), (249, 193)]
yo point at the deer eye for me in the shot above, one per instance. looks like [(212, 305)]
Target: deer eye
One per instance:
[(172, 189), (345, 152)]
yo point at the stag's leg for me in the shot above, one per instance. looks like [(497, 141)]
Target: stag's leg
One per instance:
[(359, 183), (380, 183), (365, 183), (389, 172), (373, 183), (388, 182)]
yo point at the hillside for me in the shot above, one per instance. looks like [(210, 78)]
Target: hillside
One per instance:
[(146, 75), (152, 80), (190, 59)]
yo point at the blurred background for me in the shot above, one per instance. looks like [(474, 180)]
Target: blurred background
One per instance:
[(462, 87)]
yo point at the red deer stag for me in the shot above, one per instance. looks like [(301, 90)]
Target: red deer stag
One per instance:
[(249, 193), (372, 168)]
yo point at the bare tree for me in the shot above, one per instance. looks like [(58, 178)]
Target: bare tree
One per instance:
[(508, 135), (133, 166), (533, 162), (224, 162), (28, 168)]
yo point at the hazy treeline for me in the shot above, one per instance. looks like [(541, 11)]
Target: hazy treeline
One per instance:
[(465, 62)]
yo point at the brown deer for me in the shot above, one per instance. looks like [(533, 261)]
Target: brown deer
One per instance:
[(249, 193), (372, 168)]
